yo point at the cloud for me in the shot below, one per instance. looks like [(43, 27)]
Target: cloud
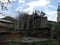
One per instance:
[(6, 1), (21, 1), (12, 0), (21, 5), (36, 3), (28, 10), (52, 15), (1, 16), (3, 1), (19, 9), (39, 3)]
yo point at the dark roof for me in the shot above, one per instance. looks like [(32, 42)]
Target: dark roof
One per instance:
[(10, 19), (51, 21), (2, 20)]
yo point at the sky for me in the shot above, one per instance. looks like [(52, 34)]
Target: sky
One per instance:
[(47, 6)]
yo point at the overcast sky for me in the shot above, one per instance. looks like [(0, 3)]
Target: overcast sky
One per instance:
[(48, 6)]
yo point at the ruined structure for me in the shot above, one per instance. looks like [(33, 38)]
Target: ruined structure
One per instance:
[(35, 25), (33, 21)]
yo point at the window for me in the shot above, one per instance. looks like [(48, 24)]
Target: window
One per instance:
[(31, 23), (2, 24)]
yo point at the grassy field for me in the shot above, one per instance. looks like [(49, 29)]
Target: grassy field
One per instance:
[(51, 42)]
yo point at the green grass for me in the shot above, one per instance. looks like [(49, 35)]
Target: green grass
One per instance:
[(52, 42)]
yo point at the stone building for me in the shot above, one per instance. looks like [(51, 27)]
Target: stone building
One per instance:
[(35, 25), (33, 21), (7, 32), (5, 27), (58, 13)]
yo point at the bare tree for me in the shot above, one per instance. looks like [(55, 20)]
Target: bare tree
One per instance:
[(2, 4)]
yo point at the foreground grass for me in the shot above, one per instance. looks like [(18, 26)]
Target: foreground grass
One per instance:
[(52, 42)]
